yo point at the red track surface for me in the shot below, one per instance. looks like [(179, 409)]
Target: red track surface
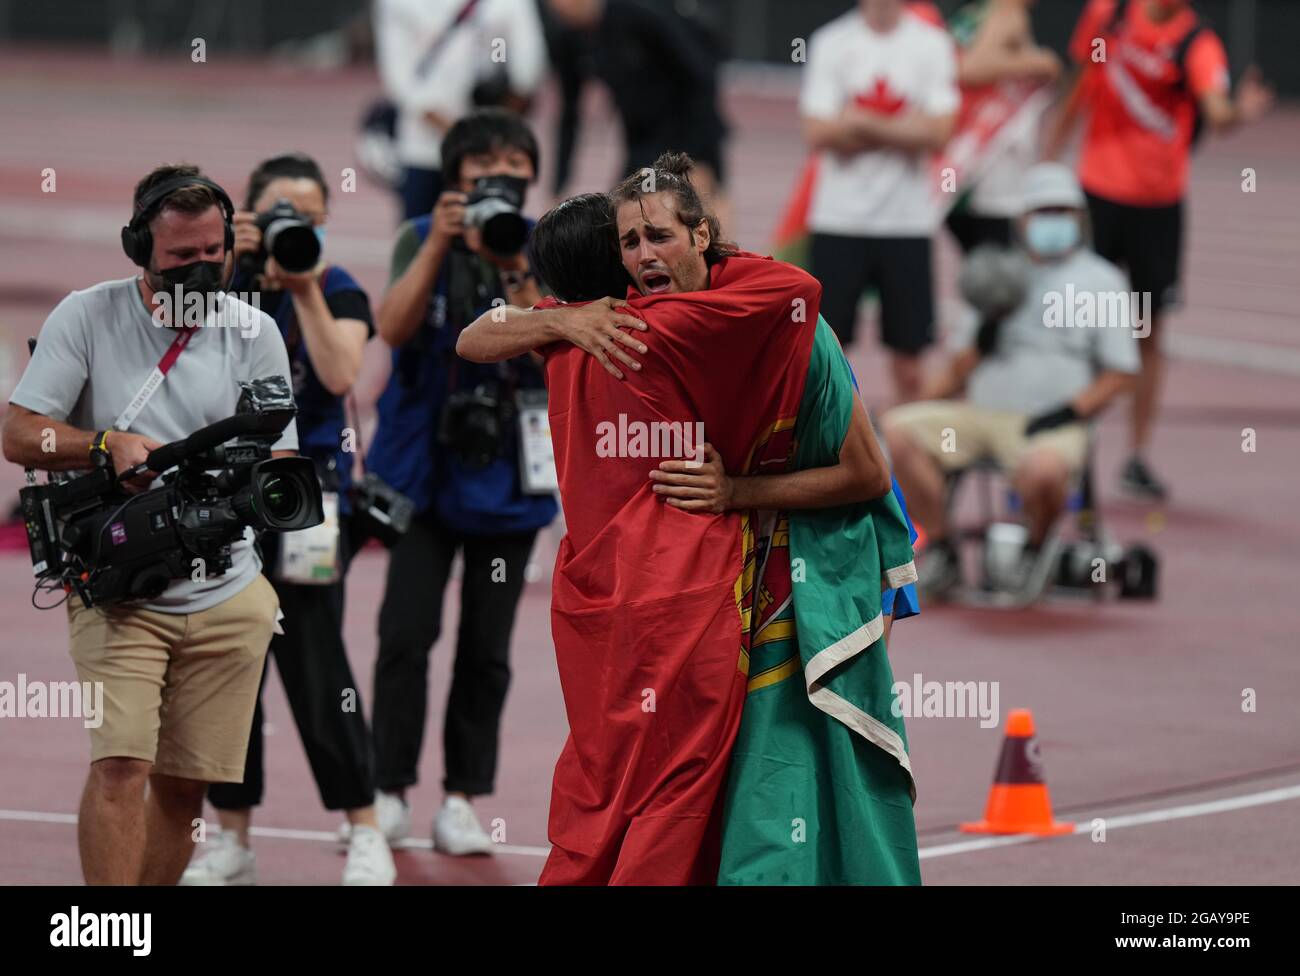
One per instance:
[(1138, 705)]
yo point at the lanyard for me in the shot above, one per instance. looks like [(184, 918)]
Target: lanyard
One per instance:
[(173, 353)]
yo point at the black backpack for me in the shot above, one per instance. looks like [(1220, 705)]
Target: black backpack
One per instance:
[(1180, 59)]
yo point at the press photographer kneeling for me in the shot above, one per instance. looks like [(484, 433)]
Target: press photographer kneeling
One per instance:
[(115, 375)]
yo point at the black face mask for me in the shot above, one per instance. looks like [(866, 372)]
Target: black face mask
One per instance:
[(205, 277)]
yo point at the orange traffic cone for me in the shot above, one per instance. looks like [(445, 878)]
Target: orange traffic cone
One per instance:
[(1018, 802)]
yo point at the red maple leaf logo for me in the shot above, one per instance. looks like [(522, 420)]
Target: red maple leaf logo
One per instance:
[(881, 98)]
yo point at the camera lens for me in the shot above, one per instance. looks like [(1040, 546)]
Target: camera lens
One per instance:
[(280, 497), (282, 494), (294, 244)]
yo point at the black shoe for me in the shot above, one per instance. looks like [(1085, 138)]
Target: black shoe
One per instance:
[(1137, 480)]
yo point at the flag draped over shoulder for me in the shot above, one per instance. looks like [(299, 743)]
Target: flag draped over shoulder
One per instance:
[(820, 790), (649, 608)]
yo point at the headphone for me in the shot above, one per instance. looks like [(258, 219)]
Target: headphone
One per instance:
[(137, 239)]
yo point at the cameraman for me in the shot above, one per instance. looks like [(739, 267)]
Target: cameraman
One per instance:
[(448, 439), (180, 672), (324, 317)]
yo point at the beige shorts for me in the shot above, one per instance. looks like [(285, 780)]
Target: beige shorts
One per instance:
[(958, 434), (179, 689)]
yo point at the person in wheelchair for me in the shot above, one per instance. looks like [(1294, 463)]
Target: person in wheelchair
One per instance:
[(1029, 375)]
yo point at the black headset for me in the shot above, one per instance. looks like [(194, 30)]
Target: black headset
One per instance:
[(137, 239)]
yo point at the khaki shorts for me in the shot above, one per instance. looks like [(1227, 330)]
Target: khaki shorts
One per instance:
[(958, 434), (179, 689)]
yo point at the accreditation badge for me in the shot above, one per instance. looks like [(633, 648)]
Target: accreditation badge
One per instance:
[(311, 556), (536, 452)]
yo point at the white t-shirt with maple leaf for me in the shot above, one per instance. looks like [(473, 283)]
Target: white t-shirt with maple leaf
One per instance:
[(879, 192)]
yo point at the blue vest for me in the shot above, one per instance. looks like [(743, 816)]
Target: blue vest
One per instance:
[(406, 451)]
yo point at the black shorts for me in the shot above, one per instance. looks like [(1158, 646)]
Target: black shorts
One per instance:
[(900, 268), (1145, 241)]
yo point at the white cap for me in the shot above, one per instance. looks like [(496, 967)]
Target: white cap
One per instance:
[(1051, 185)]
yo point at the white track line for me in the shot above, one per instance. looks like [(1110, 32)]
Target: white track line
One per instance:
[(1126, 820), (1207, 808), (1214, 351), (281, 833)]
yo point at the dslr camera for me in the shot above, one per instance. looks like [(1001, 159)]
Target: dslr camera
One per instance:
[(494, 207), (90, 536), (289, 236)]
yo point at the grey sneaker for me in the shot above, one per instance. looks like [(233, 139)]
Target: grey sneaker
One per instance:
[(939, 571)]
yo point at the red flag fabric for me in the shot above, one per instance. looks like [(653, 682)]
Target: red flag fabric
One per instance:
[(648, 602)]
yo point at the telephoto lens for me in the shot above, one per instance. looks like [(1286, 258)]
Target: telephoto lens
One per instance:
[(289, 237), (494, 208)]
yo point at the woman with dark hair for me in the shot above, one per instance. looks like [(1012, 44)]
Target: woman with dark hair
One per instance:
[(325, 320)]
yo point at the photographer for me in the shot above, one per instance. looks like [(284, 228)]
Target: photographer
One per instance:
[(324, 317), (179, 671), (448, 438)]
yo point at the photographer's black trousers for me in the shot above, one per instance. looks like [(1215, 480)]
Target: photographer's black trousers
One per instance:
[(324, 697), (410, 622)]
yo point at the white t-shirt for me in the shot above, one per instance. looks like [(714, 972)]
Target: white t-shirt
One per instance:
[(880, 192), (499, 34), (95, 351), (1078, 319)]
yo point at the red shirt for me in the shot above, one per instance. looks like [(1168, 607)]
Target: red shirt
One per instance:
[(1137, 144)]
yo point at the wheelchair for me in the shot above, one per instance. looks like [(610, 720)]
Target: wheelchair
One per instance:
[(1079, 558)]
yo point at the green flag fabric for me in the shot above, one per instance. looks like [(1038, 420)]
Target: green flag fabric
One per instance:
[(820, 789)]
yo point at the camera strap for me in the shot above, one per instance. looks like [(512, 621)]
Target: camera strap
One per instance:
[(127, 417)]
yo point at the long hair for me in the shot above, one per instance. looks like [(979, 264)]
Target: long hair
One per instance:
[(671, 173)]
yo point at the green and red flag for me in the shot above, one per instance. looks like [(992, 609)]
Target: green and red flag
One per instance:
[(650, 604), (820, 790)]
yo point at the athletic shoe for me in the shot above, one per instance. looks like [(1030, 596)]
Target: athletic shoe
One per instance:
[(1138, 480), (1028, 578), (939, 570), (370, 862), (221, 861), (457, 831), (394, 818)]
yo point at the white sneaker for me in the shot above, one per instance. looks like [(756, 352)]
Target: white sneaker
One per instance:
[(370, 862), (394, 818), (221, 861), (457, 831)]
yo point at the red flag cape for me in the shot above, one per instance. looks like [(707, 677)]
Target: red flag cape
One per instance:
[(649, 603)]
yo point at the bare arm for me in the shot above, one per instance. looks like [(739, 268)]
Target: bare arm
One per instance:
[(910, 131), (26, 434), (1254, 98), (861, 474), (1003, 48), (950, 381), (1104, 390), (334, 346), (36, 441), (598, 328), (403, 307)]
